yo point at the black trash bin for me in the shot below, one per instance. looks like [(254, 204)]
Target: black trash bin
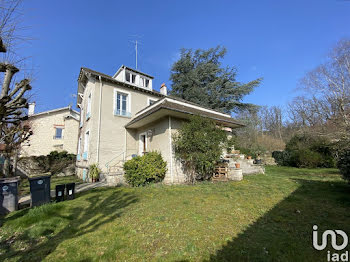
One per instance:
[(39, 190), (70, 188), (8, 194), (60, 192)]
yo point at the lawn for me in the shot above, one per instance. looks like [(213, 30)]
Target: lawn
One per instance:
[(55, 180), (262, 218)]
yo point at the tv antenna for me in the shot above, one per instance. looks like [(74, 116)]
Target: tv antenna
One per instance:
[(136, 43)]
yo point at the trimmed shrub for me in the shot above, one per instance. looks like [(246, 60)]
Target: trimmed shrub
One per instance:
[(55, 162), (146, 169), (344, 164)]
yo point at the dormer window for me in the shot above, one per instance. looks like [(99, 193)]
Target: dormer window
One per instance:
[(134, 77), (144, 82), (129, 77)]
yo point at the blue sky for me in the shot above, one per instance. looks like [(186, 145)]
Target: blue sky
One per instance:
[(277, 40)]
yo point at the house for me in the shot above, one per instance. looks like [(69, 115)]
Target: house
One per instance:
[(53, 130), (122, 115)]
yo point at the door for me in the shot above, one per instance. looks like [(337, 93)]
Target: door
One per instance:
[(142, 144)]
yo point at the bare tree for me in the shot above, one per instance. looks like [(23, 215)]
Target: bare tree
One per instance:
[(13, 103), (328, 89), (13, 136), (271, 119)]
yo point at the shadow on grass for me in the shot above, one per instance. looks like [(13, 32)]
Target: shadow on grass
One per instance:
[(285, 232), (103, 206)]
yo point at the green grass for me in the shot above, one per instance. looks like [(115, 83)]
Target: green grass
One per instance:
[(262, 218), (55, 180)]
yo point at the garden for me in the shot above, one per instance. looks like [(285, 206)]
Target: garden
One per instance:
[(264, 217)]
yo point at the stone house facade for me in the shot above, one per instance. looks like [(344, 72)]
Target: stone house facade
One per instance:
[(54, 130), (123, 116)]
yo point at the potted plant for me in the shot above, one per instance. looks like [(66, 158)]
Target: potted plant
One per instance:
[(94, 172)]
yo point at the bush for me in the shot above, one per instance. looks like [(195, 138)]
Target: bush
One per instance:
[(306, 151), (146, 169), (305, 158), (55, 162), (63, 155), (199, 144), (344, 164), (282, 158)]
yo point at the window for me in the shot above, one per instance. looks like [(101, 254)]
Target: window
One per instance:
[(122, 104), (142, 144), (88, 113), (144, 82), (79, 150), (79, 146), (81, 117), (129, 77), (86, 145), (58, 133)]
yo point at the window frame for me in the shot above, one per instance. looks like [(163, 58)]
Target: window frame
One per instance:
[(81, 118), (128, 102), (143, 80), (55, 136), (141, 152), (131, 77), (79, 146), (88, 111), (86, 143)]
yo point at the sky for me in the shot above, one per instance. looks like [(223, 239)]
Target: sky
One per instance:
[(279, 41)]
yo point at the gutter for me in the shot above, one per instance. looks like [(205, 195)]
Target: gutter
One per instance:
[(171, 152), (99, 122)]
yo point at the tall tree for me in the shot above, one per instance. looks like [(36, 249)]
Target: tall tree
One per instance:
[(328, 89), (13, 103), (198, 76)]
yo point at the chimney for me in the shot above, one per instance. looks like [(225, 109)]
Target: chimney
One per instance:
[(163, 89), (31, 109)]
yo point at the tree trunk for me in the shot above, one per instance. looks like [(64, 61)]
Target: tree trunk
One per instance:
[(6, 167), (14, 167)]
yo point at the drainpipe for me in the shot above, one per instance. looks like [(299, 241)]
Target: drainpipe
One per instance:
[(124, 153), (171, 152), (99, 122)]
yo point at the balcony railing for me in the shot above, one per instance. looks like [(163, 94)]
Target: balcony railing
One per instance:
[(85, 156), (57, 137), (125, 113)]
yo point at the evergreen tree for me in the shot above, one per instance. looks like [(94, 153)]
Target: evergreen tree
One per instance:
[(199, 77)]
